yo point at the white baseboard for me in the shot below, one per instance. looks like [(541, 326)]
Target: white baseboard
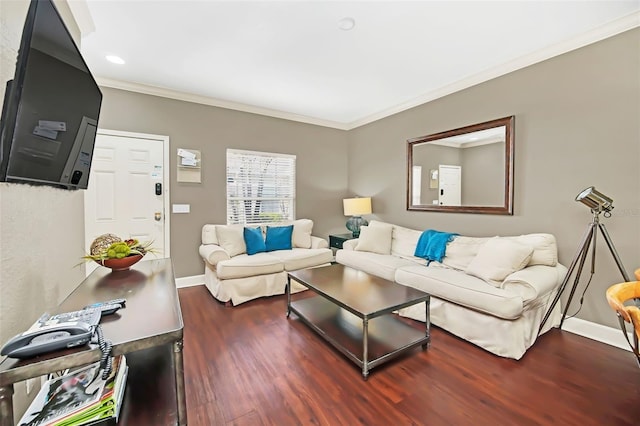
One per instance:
[(601, 333), (591, 330), (190, 281)]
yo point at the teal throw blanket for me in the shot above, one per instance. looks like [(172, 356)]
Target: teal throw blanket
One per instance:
[(432, 245)]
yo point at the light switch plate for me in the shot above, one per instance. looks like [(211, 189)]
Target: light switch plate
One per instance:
[(181, 208)]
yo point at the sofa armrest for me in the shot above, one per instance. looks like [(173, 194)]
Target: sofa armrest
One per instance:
[(350, 244), (535, 281), (213, 253), (317, 242)]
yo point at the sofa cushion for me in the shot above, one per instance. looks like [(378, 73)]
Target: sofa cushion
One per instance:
[(462, 289), (244, 265), (375, 239), (301, 236), (254, 240), (381, 265), (231, 238), (299, 258), (404, 242), (498, 258), (209, 234), (545, 249), (461, 251), (278, 237)]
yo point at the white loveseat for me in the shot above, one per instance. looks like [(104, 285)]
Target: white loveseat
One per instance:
[(233, 276), (493, 292)]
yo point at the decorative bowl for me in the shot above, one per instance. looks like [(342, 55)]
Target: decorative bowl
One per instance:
[(122, 264)]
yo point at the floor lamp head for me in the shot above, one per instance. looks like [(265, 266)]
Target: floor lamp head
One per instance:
[(596, 201)]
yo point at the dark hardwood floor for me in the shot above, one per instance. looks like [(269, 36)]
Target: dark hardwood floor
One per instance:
[(250, 365)]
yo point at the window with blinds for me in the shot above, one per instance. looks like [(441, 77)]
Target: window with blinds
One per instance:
[(261, 187)]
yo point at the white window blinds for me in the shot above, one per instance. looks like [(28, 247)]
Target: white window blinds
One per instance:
[(261, 187)]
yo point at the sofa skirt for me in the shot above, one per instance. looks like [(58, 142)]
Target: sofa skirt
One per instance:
[(240, 290), (507, 338)]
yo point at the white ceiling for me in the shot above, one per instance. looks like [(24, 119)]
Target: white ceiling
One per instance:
[(290, 59)]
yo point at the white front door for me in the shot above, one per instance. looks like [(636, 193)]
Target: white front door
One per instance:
[(128, 190), (450, 185)]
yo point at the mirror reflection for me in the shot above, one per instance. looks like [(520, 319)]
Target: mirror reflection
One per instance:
[(463, 170)]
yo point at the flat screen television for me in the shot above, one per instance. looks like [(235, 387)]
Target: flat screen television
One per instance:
[(51, 107)]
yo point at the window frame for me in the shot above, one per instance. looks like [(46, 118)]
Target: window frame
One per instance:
[(289, 196)]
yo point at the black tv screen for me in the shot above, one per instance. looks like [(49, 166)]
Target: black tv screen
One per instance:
[(51, 107)]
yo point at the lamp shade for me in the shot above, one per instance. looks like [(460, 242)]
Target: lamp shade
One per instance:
[(595, 200), (356, 206)]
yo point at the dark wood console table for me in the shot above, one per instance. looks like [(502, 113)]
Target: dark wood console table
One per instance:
[(149, 331)]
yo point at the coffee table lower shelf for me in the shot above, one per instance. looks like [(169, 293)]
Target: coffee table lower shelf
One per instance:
[(366, 342)]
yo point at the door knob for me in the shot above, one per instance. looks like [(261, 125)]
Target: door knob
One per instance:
[(157, 216)]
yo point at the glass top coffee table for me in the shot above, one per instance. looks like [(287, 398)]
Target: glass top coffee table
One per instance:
[(353, 311)]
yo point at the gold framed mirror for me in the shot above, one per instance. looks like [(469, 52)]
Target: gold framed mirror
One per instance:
[(465, 170)]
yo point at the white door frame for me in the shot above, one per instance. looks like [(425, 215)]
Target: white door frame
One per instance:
[(165, 176)]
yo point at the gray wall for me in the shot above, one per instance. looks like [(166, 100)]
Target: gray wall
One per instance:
[(483, 176), (321, 161), (576, 125)]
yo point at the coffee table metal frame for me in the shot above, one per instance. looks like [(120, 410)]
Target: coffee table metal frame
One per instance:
[(322, 313)]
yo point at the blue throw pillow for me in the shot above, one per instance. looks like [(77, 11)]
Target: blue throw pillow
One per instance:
[(279, 237), (254, 241)]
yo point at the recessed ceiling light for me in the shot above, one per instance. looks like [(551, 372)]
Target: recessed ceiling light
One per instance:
[(115, 59), (346, 24)]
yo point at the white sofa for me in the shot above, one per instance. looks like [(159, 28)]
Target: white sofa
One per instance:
[(493, 292), (233, 276)]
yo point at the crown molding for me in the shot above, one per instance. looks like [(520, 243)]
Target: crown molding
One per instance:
[(605, 31), (205, 100)]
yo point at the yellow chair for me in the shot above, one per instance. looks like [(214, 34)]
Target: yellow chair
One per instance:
[(617, 295)]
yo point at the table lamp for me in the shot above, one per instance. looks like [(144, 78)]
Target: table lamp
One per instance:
[(356, 207)]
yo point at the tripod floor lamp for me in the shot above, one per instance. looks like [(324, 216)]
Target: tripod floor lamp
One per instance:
[(599, 204)]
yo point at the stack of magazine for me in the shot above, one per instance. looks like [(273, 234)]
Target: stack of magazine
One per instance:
[(80, 397)]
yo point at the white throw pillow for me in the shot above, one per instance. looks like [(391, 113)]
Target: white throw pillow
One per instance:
[(209, 235), (375, 239), (231, 239), (545, 250), (498, 258), (301, 236)]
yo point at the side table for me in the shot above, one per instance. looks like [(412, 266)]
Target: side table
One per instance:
[(336, 240)]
